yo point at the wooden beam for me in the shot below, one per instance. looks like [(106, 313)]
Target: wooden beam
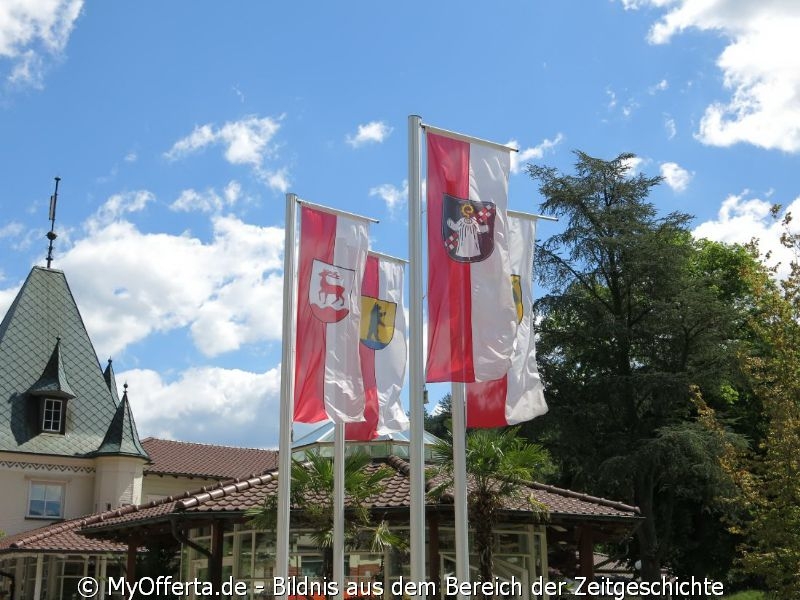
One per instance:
[(215, 560), (130, 565), (586, 553)]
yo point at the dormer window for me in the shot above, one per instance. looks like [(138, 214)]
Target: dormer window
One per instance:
[(53, 415), (51, 393)]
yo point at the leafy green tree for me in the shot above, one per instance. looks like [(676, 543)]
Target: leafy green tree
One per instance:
[(498, 462), (312, 493), (637, 314), (769, 477), (437, 424)]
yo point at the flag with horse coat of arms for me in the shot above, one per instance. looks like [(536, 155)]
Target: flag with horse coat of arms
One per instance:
[(328, 382)]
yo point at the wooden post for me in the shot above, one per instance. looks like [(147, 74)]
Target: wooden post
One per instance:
[(215, 560), (586, 553), (130, 565)]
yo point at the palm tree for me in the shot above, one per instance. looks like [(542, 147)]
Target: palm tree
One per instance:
[(312, 493), (498, 463)]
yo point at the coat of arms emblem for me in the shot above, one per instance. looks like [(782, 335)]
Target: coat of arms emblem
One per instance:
[(329, 291), (377, 322), (468, 228)]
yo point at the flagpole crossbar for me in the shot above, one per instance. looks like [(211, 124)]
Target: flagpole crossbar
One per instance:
[(389, 257), (523, 215), (466, 138), (336, 211)]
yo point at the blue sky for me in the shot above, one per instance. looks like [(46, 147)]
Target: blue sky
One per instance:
[(178, 127)]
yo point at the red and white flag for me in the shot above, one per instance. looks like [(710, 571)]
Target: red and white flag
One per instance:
[(383, 349), (328, 383), (519, 395), (471, 314)]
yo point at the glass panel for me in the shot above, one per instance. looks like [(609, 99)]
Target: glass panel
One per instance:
[(265, 550), (245, 555), (512, 543), (36, 508), (52, 509), (53, 492), (37, 491), (45, 500)]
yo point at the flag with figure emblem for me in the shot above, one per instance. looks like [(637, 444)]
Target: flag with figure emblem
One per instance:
[(383, 349), (519, 395), (471, 313), (328, 382)]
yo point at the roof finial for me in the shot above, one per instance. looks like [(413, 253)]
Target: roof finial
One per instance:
[(51, 235)]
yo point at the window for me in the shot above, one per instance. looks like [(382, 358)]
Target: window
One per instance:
[(46, 500), (52, 413)]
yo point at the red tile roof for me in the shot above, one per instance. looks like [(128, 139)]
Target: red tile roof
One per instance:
[(241, 495), (206, 460), (59, 537)]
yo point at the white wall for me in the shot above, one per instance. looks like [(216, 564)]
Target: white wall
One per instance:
[(18, 470), (118, 481)]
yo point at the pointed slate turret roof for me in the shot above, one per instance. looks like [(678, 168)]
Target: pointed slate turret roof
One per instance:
[(122, 437), (111, 382), (44, 310), (53, 382)]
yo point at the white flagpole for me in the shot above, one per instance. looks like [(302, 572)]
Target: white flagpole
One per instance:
[(415, 367), (338, 508), (458, 409), (287, 394)]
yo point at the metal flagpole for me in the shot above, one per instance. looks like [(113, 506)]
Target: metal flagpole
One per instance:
[(338, 508), (459, 414), (415, 367), (531, 216), (287, 395)]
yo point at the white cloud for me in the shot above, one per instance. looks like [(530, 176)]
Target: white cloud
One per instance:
[(6, 298), (209, 201), (535, 153), (612, 98), (11, 230), (233, 191), (672, 129), (675, 176), (247, 142), (131, 157), (130, 284), (659, 87), (192, 200), (760, 67), (373, 132), (277, 180), (119, 205), (214, 405), (394, 197), (31, 30), (632, 164), (742, 218)]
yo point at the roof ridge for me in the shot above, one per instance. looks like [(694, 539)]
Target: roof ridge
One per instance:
[(582, 496), (207, 445), (223, 489), (398, 464)]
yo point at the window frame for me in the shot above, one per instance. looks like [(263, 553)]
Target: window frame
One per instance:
[(54, 408), (46, 483)]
